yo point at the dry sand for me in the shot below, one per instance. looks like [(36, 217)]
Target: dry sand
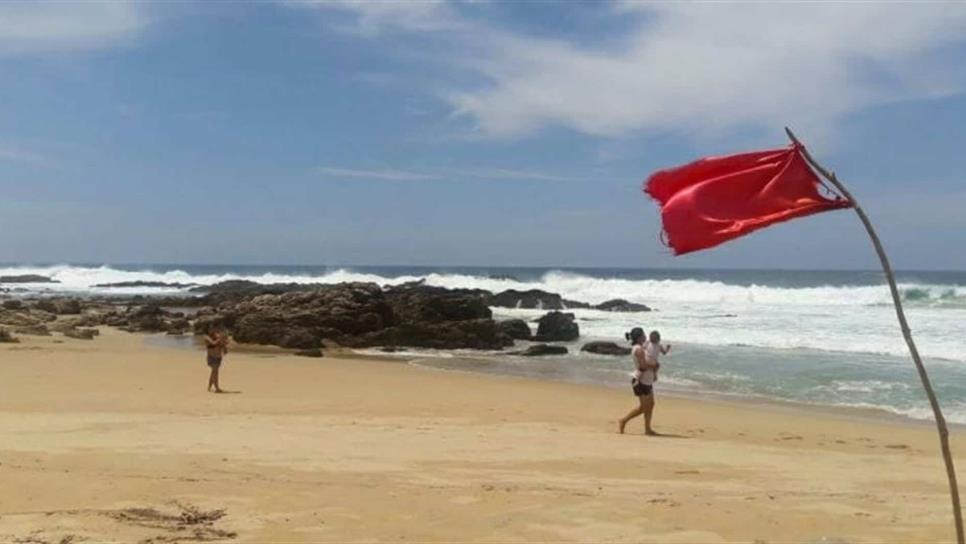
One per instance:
[(116, 440)]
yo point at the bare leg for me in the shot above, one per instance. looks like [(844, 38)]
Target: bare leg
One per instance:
[(211, 378), (214, 377), (647, 406), (630, 415)]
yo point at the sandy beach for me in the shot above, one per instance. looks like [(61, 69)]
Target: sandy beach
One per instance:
[(116, 440)]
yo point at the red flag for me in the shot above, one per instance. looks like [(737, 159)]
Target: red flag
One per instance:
[(717, 199)]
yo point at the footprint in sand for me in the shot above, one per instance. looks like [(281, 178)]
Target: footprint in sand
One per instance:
[(687, 472), (791, 437), (897, 446)]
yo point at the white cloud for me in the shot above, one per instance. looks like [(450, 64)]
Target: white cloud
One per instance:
[(442, 174), (15, 154), (687, 67), (41, 27), (379, 175), (373, 17)]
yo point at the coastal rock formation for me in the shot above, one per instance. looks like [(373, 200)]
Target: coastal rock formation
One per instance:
[(33, 330), (621, 305), (532, 299), (360, 315), (605, 348), (59, 306), (538, 350), (12, 305), (27, 278), (515, 328), (314, 352), (139, 283), (557, 327)]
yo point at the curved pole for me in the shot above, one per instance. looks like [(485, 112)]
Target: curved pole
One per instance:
[(906, 333)]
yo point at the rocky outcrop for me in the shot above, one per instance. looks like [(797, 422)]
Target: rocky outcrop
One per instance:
[(360, 315), (557, 327), (516, 329), (314, 352), (27, 278), (605, 348), (33, 330), (532, 299), (59, 306), (12, 305), (539, 350), (139, 283), (621, 305)]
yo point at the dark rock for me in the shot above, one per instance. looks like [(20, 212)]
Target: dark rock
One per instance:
[(81, 334), (6, 337), (140, 283), (59, 306), (605, 348), (557, 327), (621, 305), (27, 278), (420, 303), (574, 305), (314, 352), (537, 350), (503, 277), (532, 299), (359, 315), (33, 330), (515, 328), (148, 318), (12, 305), (473, 334)]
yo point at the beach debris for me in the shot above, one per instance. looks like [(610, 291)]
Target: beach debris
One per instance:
[(557, 327), (180, 522), (605, 348)]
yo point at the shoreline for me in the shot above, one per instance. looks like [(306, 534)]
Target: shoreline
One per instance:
[(848, 413), (95, 433)]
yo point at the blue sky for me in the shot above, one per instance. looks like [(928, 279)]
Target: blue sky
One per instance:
[(464, 133)]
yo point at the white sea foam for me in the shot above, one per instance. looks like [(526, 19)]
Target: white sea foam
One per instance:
[(856, 319)]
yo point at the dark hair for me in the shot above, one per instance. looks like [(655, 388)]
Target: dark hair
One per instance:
[(636, 334), (655, 336)]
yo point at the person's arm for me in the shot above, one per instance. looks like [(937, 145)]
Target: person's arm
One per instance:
[(666, 349), (210, 342)]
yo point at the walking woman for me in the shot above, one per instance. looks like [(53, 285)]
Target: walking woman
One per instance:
[(645, 372)]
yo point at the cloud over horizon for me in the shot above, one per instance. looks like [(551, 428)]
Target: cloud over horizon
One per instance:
[(56, 26), (678, 67)]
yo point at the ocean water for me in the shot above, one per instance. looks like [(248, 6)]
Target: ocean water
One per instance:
[(818, 337)]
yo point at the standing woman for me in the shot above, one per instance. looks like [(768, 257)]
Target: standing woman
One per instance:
[(216, 344), (642, 382)]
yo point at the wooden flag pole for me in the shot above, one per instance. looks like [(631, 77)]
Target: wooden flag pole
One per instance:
[(906, 333)]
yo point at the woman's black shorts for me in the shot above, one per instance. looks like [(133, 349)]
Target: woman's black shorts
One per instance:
[(641, 390)]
